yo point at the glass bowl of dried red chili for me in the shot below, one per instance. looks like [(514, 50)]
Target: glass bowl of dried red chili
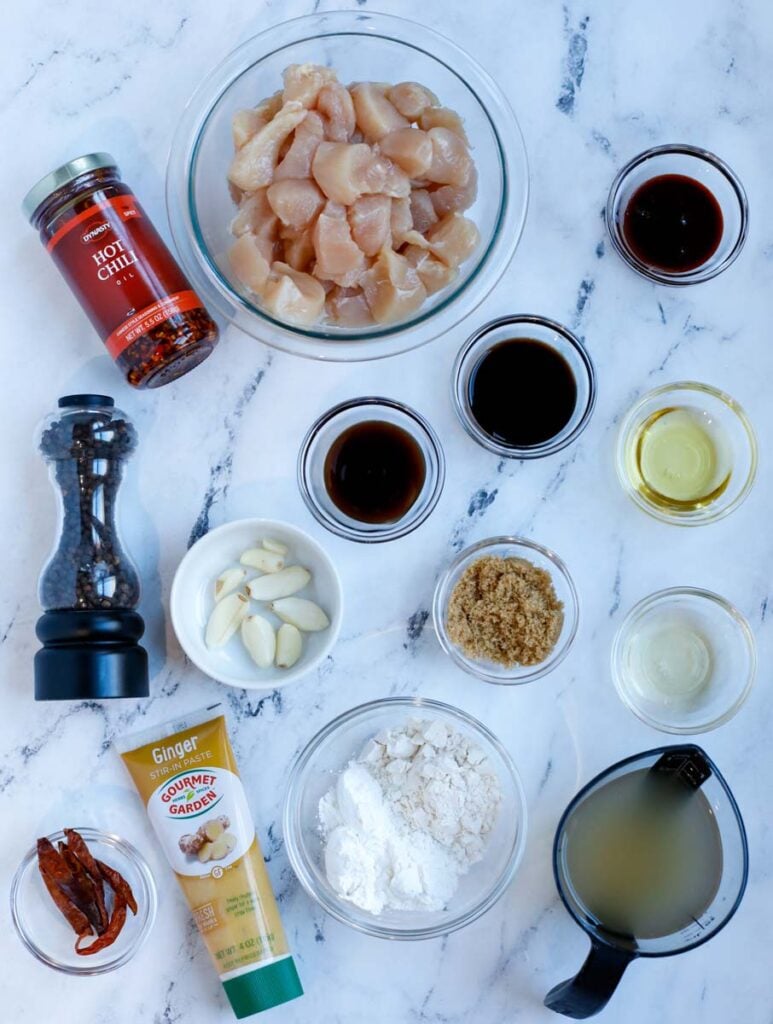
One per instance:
[(46, 933), (360, 46)]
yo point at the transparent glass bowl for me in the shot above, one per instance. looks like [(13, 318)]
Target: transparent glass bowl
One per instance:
[(317, 443), (729, 419), (508, 547), (315, 771), (549, 333), (711, 172), (362, 47), (733, 660), (47, 935)]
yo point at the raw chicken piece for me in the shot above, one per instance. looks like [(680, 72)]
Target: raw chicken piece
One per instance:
[(335, 103), (293, 296), (453, 239), (253, 166), (411, 99), (339, 258), (392, 287), (248, 263), (369, 218), (256, 216), (384, 176), (342, 169), (423, 210), (443, 117), (376, 116), (245, 123), (298, 248), (410, 148), (401, 221), (434, 274), (348, 307), (296, 163), (451, 162), (455, 198), (304, 81), (296, 202)]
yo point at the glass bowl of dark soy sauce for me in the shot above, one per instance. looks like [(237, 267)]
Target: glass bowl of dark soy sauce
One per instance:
[(371, 470), (523, 387), (677, 214)]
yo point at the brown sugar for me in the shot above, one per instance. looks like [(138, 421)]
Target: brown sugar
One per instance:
[(505, 610)]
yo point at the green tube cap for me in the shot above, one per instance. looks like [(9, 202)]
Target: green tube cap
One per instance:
[(266, 986)]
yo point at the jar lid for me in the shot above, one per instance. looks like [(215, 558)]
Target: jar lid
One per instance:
[(63, 176)]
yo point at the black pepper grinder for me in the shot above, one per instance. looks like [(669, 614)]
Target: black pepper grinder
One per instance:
[(89, 588)]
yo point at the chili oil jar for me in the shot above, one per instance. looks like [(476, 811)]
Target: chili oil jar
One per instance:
[(152, 322), (89, 588)]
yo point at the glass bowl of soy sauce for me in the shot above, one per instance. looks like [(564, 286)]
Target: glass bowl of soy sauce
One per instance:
[(677, 214), (371, 470), (523, 387)]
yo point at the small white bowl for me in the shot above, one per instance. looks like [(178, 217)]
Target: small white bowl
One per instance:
[(191, 602)]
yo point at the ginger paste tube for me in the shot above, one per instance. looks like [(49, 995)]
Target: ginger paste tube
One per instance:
[(186, 774)]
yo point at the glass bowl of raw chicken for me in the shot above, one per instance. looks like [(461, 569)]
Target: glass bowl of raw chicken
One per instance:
[(347, 186)]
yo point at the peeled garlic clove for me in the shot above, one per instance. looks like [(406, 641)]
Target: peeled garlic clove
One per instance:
[(225, 619), (263, 559), (303, 614), (288, 645), (260, 640), (228, 581), (279, 584), (275, 545)]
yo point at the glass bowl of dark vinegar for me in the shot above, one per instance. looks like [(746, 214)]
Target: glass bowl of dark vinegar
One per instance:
[(677, 214), (371, 470)]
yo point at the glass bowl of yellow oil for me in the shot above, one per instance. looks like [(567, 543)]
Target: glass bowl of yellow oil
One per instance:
[(687, 454), (684, 660)]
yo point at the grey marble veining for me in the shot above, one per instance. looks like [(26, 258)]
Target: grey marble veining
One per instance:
[(592, 84)]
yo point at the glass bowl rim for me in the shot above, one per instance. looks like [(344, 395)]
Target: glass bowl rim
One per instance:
[(291, 812), (460, 378), (321, 344), (558, 653), (705, 516), (407, 524), (130, 851), (704, 272), (662, 597)]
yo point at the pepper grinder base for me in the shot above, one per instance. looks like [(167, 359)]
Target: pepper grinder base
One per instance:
[(90, 655)]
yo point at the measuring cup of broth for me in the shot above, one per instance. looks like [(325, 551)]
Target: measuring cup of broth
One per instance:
[(650, 859)]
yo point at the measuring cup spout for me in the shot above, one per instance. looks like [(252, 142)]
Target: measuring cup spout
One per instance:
[(589, 991)]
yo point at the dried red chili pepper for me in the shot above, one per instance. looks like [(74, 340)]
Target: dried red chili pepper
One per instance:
[(119, 885), (111, 933), (86, 894), (50, 865), (80, 850)]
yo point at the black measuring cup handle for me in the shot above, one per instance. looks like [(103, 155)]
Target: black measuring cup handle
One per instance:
[(589, 991)]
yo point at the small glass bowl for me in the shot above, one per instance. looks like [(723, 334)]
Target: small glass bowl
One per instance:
[(508, 547), (536, 328), (47, 935), (735, 427), (315, 771), (711, 172), (733, 664), (361, 46), (317, 443)]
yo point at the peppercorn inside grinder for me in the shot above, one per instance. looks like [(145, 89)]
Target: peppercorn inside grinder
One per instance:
[(89, 588)]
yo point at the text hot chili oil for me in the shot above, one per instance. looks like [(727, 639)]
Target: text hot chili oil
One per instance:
[(153, 324)]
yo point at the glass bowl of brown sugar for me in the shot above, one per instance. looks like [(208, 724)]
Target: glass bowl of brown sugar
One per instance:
[(506, 610)]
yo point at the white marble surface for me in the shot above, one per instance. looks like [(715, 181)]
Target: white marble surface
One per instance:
[(592, 83)]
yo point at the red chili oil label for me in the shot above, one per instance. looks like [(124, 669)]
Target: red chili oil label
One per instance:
[(118, 266)]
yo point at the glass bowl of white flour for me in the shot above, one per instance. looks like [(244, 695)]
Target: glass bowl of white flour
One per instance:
[(405, 818)]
